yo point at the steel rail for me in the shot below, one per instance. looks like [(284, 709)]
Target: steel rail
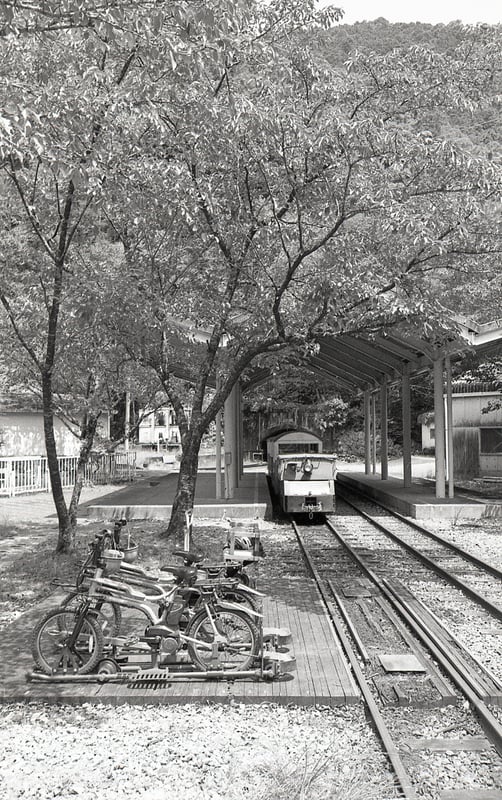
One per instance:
[(465, 587), (457, 641), (388, 743), (489, 722), (460, 678), (497, 573)]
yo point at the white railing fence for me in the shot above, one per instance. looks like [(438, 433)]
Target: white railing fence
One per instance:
[(22, 474)]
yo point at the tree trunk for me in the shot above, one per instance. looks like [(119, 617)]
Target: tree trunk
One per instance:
[(88, 434), (185, 492), (66, 534)]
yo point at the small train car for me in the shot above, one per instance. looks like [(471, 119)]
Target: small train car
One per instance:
[(302, 476)]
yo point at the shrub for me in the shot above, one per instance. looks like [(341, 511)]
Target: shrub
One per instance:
[(351, 446)]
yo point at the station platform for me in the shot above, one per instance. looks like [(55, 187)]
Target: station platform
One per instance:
[(152, 497), (419, 500)]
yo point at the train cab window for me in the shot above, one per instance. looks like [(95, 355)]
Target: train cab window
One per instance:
[(290, 471), (298, 447)]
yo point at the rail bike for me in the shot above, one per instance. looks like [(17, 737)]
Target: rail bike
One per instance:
[(193, 626)]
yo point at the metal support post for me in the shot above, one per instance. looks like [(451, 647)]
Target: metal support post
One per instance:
[(439, 427), (239, 433), (384, 450), (373, 433), (367, 432), (406, 421), (127, 421)]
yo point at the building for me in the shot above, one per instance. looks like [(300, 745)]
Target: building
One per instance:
[(22, 428), (159, 427), (426, 421), (477, 428)]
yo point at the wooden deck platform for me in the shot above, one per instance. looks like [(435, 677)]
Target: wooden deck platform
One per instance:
[(322, 676)]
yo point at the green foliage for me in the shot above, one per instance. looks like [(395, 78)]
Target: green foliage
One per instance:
[(297, 396), (351, 447), (489, 371), (200, 188), (381, 37)]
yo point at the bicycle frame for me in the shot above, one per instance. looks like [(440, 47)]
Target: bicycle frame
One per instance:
[(153, 586), (112, 591)]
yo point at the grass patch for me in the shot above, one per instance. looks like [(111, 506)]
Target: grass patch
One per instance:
[(322, 778), (31, 570)]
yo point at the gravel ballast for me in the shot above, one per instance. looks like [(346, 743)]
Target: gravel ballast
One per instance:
[(192, 752)]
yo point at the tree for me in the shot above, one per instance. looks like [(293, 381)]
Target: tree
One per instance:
[(278, 199), (262, 196), (55, 101)]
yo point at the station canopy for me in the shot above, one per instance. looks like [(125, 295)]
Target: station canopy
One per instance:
[(362, 363)]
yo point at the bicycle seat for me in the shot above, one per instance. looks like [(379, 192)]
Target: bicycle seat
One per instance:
[(189, 557), (182, 574)]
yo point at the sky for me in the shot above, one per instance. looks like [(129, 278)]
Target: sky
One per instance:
[(433, 11)]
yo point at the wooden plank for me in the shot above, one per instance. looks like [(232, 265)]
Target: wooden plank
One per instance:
[(274, 617), (312, 638), (357, 591), (471, 794), (325, 644), (297, 610), (302, 685), (315, 641), (291, 609), (469, 743), (336, 677)]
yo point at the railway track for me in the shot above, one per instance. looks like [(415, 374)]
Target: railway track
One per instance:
[(454, 583), (410, 667)]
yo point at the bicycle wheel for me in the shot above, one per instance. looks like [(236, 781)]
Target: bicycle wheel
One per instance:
[(109, 613), (53, 650), (235, 646)]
